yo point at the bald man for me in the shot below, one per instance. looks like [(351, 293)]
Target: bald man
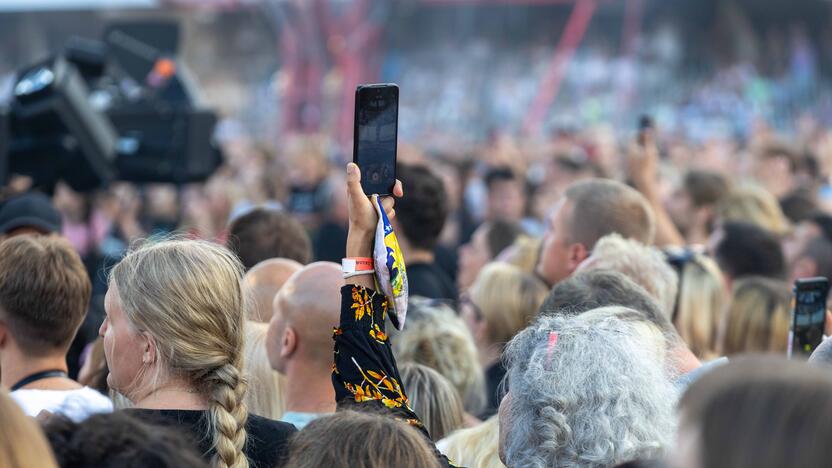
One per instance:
[(263, 281), (299, 341)]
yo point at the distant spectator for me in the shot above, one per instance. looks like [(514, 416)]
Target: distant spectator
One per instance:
[(262, 282), (263, 233), (643, 264), (299, 341), (590, 210), (523, 253), (799, 205), (29, 213), (752, 204), (474, 447), (488, 241), (119, 440), (501, 303), (756, 413), (506, 198), (44, 294), (433, 398), (774, 166), (808, 248), (758, 319), (420, 217), (266, 395), (691, 206), (22, 444), (743, 249), (348, 439)]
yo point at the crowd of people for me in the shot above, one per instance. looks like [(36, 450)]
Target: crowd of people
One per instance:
[(587, 302)]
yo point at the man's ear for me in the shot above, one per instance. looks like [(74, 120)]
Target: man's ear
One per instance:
[(290, 343), (576, 255), (4, 334)]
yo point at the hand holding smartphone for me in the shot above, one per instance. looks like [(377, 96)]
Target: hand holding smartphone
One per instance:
[(376, 136), (808, 316)]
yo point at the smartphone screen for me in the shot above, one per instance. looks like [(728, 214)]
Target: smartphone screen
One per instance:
[(376, 134), (808, 315)]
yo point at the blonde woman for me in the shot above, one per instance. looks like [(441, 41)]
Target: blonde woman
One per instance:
[(503, 300), (173, 340), (433, 398), (701, 302), (758, 318), (266, 387), (753, 204), (476, 447), (22, 444)]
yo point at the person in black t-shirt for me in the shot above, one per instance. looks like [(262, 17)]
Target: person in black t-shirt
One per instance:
[(420, 217)]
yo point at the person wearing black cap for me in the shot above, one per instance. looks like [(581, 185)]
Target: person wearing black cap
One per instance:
[(29, 213)]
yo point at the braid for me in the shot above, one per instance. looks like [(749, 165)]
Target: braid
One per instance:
[(228, 415)]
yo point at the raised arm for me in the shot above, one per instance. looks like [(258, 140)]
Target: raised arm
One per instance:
[(365, 371)]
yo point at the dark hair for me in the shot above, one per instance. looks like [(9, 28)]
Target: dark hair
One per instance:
[(799, 205), (499, 174), (44, 292), (761, 413), (781, 150), (351, 438), (747, 249), (118, 440), (819, 250), (422, 211), (705, 187), (266, 233), (592, 289), (601, 207), (501, 234)]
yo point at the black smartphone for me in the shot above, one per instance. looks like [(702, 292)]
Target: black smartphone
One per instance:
[(808, 315), (376, 136)]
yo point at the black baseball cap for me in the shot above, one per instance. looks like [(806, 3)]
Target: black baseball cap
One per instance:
[(33, 210)]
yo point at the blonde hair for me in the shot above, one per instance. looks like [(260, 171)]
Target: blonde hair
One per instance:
[(523, 253), (187, 296), (433, 398), (436, 337), (476, 447), (758, 318), (645, 265), (700, 306), (265, 395), (753, 204), (22, 443), (507, 298)]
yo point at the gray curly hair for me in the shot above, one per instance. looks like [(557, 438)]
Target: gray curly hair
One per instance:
[(586, 391)]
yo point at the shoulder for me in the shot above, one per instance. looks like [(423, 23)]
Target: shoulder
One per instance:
[(267, 441), (260, 425)]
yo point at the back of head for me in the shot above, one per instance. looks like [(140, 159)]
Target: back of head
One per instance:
[(118, 440), (643, 264), (265, 233), (350, 438), (437, 338), (22, 444), (262, 282), (701, 303), (588, 290), (819, 251), (44, 293), (755, 205), (476, 446), (570, 404), (433, 398), (265, 386), (187, 296), (507, 298), (501, 234), (601, 207), (746, 249), (421, 213), (758, 319), (705, 188), (759, 412)]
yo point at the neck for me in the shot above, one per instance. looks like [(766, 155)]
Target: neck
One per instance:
[(172, 395), (309, 388), (16, 366), (419, 256), (489, 355)]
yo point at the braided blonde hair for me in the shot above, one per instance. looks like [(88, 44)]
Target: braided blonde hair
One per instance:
[(186, 294)]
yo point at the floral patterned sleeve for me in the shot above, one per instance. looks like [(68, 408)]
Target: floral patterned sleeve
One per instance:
[(365, 370)]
